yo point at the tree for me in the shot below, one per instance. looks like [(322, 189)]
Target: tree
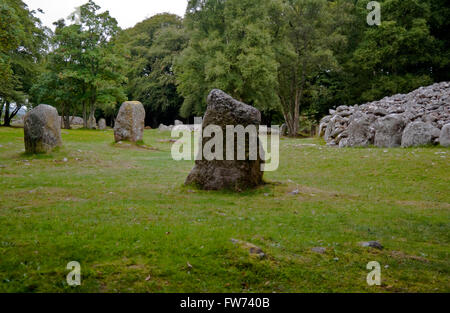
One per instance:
[(154, 44), (86, 65), (231, 49), (306, 36), (22, 38), (398, 55)]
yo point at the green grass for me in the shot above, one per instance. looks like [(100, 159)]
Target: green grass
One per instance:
[(123, 213)]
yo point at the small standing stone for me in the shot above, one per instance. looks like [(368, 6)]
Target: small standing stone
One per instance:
[(42, 129), (102, 124), (130, 122)]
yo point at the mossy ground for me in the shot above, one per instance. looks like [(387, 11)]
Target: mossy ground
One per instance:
[(124, 214)]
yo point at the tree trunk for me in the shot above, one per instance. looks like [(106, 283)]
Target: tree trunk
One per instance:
[(1, 111), (65, 118), (85, 121), (7, 121)]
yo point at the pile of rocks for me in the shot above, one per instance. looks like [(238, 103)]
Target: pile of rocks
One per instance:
[(421, 117)]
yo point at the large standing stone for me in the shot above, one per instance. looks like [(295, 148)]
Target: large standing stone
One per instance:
[(42, 129), (223, 110), (102, 124), (130, 122), (419, 134), (444, 138), (389, 131)]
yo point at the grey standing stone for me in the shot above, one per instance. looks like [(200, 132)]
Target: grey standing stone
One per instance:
[(130, 122), (223, 110), (42, 129), (102, 124)]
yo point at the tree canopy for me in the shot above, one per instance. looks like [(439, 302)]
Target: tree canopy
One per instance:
[(292, 59)]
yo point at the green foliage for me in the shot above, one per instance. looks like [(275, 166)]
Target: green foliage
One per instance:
[(135, 233), (21, 43), (87, 62), (399, 55), (230, 48), (154, 44)]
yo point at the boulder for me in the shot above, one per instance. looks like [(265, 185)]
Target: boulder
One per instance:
[(236, 175), (164, 128), (102, 124), (130, 122), (178, 123), (42, 129), (75, 120), (359, 132), (444, 138), (419, 134), (389, 131)]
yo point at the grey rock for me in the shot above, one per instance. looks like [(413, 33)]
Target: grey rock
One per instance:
[(223, 110), (359, 132), (372, 244), (389, 131), (102, 124), (42, 129), (319, 250), (163, 127), (130, 122), (430, 105), (419, 134), (251, 248), (444, 137), (178, 123)]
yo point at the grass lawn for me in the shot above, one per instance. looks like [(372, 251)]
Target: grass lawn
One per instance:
[(123, 213)]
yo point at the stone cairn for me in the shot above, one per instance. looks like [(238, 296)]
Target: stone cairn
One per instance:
[(235, 175), (42, 129), (130, 122), (419, 118)]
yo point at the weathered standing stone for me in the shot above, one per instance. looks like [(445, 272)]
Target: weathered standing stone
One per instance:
[(223, 110), (130, 122), (419, 134), (444, 138), (389, 131), (102, 124), (42, 129)]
